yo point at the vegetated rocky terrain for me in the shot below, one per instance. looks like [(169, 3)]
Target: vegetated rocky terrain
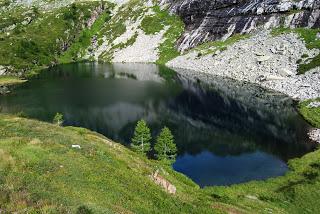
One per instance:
[(272, 43)]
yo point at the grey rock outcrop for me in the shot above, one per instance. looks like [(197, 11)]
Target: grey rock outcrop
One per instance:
[(208, 20), (164, 183)]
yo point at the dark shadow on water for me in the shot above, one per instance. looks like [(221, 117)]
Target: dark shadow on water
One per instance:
[(226, 131)]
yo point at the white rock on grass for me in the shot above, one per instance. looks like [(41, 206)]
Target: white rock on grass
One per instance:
[(76, 146), (315, 104), (315, 135)]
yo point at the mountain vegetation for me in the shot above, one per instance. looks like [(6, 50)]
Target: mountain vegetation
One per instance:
[(47, 168)]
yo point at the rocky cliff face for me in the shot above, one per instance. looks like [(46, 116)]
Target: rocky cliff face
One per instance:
[(208, 20)]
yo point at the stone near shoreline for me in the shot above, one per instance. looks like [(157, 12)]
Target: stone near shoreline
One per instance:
[(315, 135), (315, 104)]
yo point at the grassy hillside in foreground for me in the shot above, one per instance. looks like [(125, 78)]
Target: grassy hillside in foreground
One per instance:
[(39, 171)]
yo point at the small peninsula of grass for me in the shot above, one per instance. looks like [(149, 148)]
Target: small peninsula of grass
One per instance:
[(10, 80), (311, 114)]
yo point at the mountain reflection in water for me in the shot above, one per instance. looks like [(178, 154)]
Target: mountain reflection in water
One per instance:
[(226, 131)]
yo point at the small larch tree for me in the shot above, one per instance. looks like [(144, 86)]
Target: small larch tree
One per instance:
[(58, 119), (165, 148), (141, 137)]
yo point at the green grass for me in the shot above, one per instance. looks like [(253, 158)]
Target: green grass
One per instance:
[(40, 172), (150, 24), (154, 23), (312, 115), (167, 49), (78, 49), (38, 44), (311, 40), (10, 80), (213, 46)]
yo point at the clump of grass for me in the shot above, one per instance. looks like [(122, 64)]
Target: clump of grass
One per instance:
[(213, 46), (167, 49), (10, 80), (153, 24), (312, 115), (129, 42)]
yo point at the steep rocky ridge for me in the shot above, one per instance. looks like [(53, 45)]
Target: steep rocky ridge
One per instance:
[(208, 20)]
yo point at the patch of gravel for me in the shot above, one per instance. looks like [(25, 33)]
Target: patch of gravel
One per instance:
[(263, 59), (144, 49), (299, 87), (315, 135)]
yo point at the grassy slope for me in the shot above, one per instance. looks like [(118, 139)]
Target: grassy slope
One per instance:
[(39, 171), (78, 49), (38, 44)]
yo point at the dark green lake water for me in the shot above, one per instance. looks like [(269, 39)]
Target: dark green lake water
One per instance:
[(225, 132)]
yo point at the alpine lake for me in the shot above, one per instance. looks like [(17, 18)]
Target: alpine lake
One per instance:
[(227, 132)]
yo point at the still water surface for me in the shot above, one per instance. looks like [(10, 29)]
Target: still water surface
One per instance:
[(225, 133)]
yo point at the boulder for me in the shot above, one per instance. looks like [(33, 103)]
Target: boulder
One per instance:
[(273, 77), (285, 72), (315, 104), (263, 58), (260, 11), (161, 181), (2, 70), (76, 146)]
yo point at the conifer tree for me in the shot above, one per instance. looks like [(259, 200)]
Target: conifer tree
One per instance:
[(165, 148), (141, 137), (58, 119)]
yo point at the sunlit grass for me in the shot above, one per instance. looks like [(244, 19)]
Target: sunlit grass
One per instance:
[(10, 80)]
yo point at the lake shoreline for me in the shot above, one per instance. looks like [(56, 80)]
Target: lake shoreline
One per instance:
[(253, 60)]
